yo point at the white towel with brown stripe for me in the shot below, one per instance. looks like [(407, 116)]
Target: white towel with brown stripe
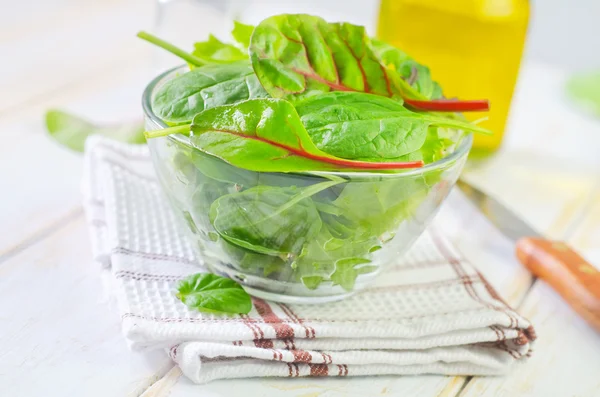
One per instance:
[(432, 312)]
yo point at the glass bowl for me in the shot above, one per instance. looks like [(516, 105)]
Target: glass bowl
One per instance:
[(307, 237)]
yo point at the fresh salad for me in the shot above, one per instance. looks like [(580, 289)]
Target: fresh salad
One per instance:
[(277, 119)]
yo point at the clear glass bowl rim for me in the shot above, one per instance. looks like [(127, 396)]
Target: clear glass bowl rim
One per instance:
[(461, 151)]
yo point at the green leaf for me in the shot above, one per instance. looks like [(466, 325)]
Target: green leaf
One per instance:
[(439, 143), (180, 99), (296, 54), (355, 125), (192, 60), (211, 293), (584, 90), (72, 131), (206, 193), (242, 33), (263, 263), (312, 282), (301, 55), (335, 242), (347, 270), (214, 168), (419, 83), (263, 135), (380, 206), (262, 220), (238, 178), (258, 135), (215, 51)]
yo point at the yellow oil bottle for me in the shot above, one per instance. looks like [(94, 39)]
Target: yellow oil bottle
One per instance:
[(473, 48)]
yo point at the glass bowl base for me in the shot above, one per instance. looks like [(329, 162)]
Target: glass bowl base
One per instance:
[(290, 292), (309, 300)]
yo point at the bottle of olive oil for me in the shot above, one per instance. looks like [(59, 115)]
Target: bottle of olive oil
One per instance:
[(473, 48)]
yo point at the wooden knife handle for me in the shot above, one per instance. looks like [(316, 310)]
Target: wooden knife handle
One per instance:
[(577, 281)]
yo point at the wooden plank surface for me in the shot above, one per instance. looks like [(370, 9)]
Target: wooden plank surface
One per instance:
[(408, 386), (60, 328), (566, 360)]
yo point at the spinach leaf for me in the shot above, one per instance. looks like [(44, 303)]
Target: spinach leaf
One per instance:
[(72, 131), (355, 125), (215, 51), (380, 206), (241, 34), (206, 193), (180, 99), (238, 178), (317, 261), (214, 168), (210, 51), (266, 264), (265, 135), (267, 220), (439, 143), (347, 270), (212, 293)]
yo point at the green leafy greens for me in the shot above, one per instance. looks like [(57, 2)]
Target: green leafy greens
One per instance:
[(269, 119), (296, 55), (215, 51), (182, 98), (361, 126), (265, 135), (72, 131), (211, 293)]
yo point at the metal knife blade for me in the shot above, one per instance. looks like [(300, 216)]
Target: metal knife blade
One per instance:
[(510, 224), (576, 280)]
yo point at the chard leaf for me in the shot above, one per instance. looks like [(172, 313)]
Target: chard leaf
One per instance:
[(242, 33), (205, 87), (355, 125), (258, 135), (211, 293), (215, 51), (262, 220), (71, 131), (266, 135), (295, 54), (417, 77)]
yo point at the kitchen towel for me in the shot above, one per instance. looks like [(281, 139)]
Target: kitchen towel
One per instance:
[(431, 312)]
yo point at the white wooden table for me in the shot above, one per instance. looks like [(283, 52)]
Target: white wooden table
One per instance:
[(83, 56)]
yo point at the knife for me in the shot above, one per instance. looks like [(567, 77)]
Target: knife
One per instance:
[(570, 275)]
